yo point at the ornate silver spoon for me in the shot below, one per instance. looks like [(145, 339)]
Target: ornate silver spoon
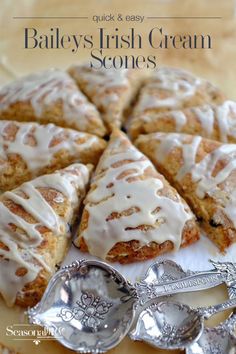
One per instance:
[(90, 307), (217, 340), (173, 325)]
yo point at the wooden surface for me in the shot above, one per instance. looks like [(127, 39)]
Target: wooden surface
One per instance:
[(217, 64)]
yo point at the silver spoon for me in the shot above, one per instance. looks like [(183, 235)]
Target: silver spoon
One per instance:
[(217, 340), (89, 306), (173, 325)]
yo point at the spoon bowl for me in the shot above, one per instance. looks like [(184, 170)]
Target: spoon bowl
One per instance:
[(173, 325), (218, 340), (168, 325), (88, 307)]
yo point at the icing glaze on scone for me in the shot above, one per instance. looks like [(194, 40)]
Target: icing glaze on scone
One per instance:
[(45, 89), (202, 172), (110, 90), (34, 143), (212, 121), (125, 203), (178, 85), (21, 238), (169, 89)]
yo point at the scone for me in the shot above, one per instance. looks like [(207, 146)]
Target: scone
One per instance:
[(110, 90), (50, 96), (131, 213), (204, 173), (28, 150), (35, 228), (212, 121), (173, 89)]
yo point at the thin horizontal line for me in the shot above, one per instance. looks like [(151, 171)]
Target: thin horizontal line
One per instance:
[(50, 17), (185, 17)]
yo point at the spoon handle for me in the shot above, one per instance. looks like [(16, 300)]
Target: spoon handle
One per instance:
[(209, 311), (195, 282)]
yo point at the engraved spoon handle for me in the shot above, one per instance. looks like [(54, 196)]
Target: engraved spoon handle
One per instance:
[(195, 282), (209, 311)]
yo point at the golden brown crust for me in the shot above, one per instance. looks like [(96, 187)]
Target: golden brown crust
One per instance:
[(111, 96), (24, 112), (209, 210), (166, 122), (50, 97), (166, 90), (128, 252), (14, 169)]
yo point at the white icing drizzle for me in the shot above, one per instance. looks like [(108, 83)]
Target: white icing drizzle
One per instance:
[(22, 246), (179, 85), (180, 119), (226, 119), (201, 172), (40, 155), (46, 88), (100, 81), (115, 193), (205, 114)]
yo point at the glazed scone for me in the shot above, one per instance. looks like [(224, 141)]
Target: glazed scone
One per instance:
[(212, 121), (173, 89), (110, 90), (28, 150), (50, 96), (204, 173), (131, 212), (35, 229)]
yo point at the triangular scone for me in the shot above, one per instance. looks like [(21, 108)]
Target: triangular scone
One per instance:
[(35, 227), (204, 173), (28, 150), (131, 212), (50, 96), (110, 90), (212, 121), (173, 89)]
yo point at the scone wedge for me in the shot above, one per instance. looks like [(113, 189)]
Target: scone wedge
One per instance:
[(204, 173), (35, 228), (111, 90), (50, 96), (131, 212), (28, 150), (170, 89), (212, 121)]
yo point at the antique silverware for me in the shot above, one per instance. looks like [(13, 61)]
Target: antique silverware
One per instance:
[(89, 304), (164, 278), (92, 306), (173, 325), (218, 340)]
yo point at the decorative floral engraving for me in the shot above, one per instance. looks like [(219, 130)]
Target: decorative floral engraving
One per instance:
[(90, 310)]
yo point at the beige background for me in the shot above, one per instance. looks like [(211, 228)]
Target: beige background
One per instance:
[(217, 64)]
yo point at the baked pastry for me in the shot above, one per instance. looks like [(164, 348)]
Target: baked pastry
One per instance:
[(110, 90), (173, 89), (212, 121), (204, 173), (50, 96), (6, 350), (28, 150), (131, 213), (35, 226)]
